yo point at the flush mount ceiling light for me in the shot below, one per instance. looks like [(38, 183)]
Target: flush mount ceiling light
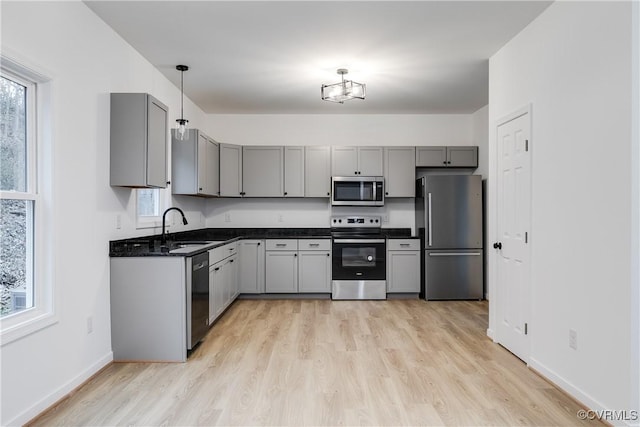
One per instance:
[(181, 123), (344, 90)]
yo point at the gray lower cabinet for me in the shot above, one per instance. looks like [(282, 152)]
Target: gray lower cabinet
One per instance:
[(230, 170), (138, 146), (251, 266), (403, 265), (195, 165), (223, 279), (298, 266), (454, 156), (281, 266), (148, 309), (400, 171), (262, 171), (317, 171), (314, 266)]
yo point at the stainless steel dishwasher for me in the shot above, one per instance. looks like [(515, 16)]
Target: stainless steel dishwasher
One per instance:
[(197, 298)]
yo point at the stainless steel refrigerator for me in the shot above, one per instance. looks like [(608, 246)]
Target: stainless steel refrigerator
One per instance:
[(449, 223)]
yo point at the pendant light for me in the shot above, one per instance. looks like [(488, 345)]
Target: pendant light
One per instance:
[(182, 132), (344, 90)]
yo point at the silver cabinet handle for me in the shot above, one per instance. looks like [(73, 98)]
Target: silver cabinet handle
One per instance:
[(456, 254), (404, 245), (359, 240), (429, 218), (315, 245), (281, 245)]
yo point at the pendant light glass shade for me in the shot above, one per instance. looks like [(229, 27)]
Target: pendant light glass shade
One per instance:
[(182, 131), (344, 90)]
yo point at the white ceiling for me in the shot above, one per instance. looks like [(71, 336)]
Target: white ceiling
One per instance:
[(254, 57)]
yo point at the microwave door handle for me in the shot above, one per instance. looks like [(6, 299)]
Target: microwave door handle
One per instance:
[(375, 190)]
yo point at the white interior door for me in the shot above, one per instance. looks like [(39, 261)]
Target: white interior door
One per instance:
[(513, 225)]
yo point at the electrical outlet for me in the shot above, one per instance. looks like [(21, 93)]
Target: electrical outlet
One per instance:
[(280, 218), (573, 339), (118, 221), (89, 325), (385, 219), (227, 217)]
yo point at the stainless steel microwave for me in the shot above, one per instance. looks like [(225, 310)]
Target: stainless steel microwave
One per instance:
[(357, 191)]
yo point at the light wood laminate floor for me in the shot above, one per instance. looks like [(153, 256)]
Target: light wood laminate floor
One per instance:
[(323, 362)]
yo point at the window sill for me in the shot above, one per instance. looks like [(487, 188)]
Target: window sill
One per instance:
[(20, 325)]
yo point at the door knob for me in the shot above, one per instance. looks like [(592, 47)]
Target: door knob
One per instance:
[(497, 245)]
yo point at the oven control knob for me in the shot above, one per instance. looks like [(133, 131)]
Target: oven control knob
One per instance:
[(339, 220), (370, 258), (370, 220), (334, 220)]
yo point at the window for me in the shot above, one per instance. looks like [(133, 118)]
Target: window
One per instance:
[(149, 207), (26, 284), (19, 193)]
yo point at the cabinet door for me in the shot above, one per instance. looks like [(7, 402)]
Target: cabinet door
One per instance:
[(156, 143), (233, 278), (294, 171), (251, 269), (216, 291), (370, 161), (201, 160), (400, 171), (462, 157), (138, 141), (317, 171), (314, 268), (403, 274), (263, 170), (212, 165), (281, 271), (344, 161), (230, 170), (431, 156)]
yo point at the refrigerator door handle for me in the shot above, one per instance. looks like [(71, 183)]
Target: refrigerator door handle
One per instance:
[(430, 242), (455, 254)]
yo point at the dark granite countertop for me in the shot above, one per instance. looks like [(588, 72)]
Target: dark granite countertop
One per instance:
[(208, 238)]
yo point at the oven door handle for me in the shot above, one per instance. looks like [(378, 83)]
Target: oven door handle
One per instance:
[(359, 241)]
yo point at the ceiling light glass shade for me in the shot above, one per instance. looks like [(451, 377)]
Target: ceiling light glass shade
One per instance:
[(182, 131), (343, 91)]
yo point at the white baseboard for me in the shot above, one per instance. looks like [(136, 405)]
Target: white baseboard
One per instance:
[(582, 397), (38, 407)]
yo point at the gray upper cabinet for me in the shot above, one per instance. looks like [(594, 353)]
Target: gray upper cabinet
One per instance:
[(317, 171), (230, 170), (399, 171), (294, 171), (195, 165), (353, 161), (262, 171), (139, 131), (461, 157)]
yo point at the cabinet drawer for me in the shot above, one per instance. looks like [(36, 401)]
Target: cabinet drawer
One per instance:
[(314, 244), (222, 252), (282, 245), (403, 244)]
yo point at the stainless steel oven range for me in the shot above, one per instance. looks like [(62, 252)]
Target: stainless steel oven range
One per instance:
[(359, 269)]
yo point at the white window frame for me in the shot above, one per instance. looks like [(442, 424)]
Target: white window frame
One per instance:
[(39, 173), (152, 221)]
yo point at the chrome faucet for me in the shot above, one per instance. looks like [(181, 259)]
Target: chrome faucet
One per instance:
[(163, 239)]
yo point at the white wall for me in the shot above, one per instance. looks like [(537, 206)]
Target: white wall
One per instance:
[(327, 129), (86, 61), (573, 64)]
